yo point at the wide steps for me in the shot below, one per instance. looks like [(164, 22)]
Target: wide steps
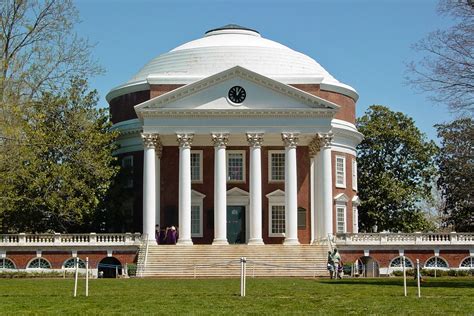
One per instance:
[(206, 261)]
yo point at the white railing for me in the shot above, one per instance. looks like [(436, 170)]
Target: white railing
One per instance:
[(56, 239), (406, 239)]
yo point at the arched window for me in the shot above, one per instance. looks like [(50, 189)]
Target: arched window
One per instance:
[(398, 263), (39, 263), (6, 264), (71, 264), (436, 263), (467, 263)]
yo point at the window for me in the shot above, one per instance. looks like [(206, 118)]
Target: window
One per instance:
[(355, 220), (127, 169), (71, 264), (398, 263), (354, 175), (196, 221), (340, 171), (127, 162), (276, 165), (301, 217), (341, 219), (196, 165), (467, 263), (6, 264), (277, 220), (436, 263), (236, 165), (39, 263)]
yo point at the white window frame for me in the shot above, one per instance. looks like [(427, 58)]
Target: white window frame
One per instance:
[(344, 209), (200, 153), (270, 179), (244, 169), (354, 174), (355, 220), (275, 198), (339, 184), (125, 159), (197, 199), (438, 259), (39, 258)]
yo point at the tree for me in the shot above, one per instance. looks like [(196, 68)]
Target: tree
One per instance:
[(447, 69), (62, 168), (456, 168), (396, 168)]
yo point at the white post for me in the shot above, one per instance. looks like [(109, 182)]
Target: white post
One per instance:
[(243, 260), (404, 276), (315, 179), (75, 276), (291, 189), (255, 141), (159, 151), (418, 276), (87, 276), (326, 190), (184, 198), (220, 189), (150, 141)]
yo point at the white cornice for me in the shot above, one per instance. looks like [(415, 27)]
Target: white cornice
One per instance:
[(313, 102), (153, 113)]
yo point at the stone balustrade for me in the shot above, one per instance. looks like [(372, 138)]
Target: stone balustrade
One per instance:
[(56, 239), (405, 239)]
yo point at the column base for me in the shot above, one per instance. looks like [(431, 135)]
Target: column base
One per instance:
[(292, 241), (184, 242), (220, 242), (255, 241)]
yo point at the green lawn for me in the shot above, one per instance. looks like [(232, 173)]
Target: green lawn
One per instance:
[(441, 296)]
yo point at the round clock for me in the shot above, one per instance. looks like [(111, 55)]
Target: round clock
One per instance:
[(237, 94)]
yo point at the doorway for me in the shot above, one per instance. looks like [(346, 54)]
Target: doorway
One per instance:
[(236, 224)]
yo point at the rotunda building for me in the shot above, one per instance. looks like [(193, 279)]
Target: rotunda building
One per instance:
[(237, 139)]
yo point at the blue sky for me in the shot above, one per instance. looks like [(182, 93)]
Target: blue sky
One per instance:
[(363, 43)]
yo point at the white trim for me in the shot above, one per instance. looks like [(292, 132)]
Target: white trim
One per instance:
[(437, 258), (200, 153), (239, 197), (338, 184), (244, 169), (472, 262), (197, 199), (38, 258), (355, 219), (356, 200), (270, 153), (354, 174), (275, 198), (341, 198), (3, 263), (344, 209)]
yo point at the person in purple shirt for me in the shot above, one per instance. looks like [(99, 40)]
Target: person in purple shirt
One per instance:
[(171, 236)]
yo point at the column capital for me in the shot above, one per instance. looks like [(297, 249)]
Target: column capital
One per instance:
[(185, 140), (151, 140), (220, 139), (255, 139), (290, 139), (325, 139), (314, 146)]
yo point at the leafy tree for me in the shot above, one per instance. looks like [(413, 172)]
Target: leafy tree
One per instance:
[(446, 69), (60, 166), (456, 168), (396, 167)]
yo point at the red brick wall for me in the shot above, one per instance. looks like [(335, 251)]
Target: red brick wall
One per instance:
[(57, 258), (121, 108), (348, 190)]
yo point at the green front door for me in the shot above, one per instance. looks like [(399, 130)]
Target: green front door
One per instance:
[(236, 224)]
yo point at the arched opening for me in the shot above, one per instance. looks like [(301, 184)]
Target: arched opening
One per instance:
[(6, 263), (71, 264), (109, 267), (367, 267), (397, 263), (39, 263), (436, 262), (467, 263)]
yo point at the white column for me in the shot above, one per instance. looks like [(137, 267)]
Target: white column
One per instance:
[(314, 173), (326, 191), (150, 141), (184, 195), (255, 141), (220, 189), (159, 151), (291, 189)]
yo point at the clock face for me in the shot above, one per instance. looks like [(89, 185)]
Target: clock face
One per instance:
[(237, 94)]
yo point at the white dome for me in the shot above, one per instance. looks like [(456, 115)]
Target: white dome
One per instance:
[(229, 46)]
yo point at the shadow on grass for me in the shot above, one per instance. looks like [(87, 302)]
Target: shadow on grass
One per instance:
[(427, 282)]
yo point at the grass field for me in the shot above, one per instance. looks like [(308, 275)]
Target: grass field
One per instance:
[(441, 296)]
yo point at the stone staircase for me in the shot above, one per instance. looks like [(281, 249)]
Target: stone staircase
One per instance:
[(213, 261)]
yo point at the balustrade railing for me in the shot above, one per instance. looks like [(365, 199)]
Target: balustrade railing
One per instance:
[(70, 239), (405, 239)]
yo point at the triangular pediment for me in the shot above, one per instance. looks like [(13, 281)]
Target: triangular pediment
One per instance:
[(212, 94), (237, 192)]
